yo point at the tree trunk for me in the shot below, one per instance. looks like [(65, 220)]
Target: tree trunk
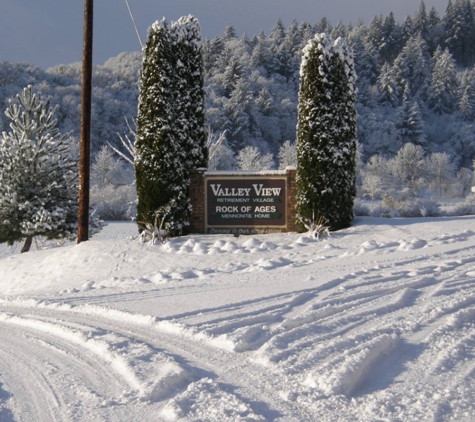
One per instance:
[(27, 244)]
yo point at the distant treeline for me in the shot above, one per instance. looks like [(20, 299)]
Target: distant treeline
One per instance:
[(416, 84)]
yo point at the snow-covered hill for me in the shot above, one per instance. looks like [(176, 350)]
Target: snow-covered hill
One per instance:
[(375, 323)]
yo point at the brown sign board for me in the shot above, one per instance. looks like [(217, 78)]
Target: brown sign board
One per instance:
[(245, 203)]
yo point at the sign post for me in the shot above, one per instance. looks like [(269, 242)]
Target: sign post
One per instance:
[(85, 141)]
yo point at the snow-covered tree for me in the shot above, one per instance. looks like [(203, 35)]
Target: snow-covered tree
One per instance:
[(190, 95), (237, 112), (220, 156), (113, 193), (407, 167), (251, 159), (287, 155), (420, 23), (377, 133), (466, 103), (410, 122), (128, 144), (440, 173), (366, 59), (392, 38), (411, 67), (326, 133), (464, 181), (458, 30), (388, 88), (107, 169), (38, 174), (375, 179), (171, 137), (444, 84)]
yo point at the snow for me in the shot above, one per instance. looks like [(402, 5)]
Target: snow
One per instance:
[(266, 172), (375, 322)]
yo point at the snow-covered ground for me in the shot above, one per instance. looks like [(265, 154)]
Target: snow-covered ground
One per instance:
[(375, 323)]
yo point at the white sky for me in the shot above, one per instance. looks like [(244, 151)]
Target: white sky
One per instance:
[(49, 32)]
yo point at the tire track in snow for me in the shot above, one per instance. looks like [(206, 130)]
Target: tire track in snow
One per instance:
[(379, 305), (49, 380), (77, 369), (231, 372), (31, 395)]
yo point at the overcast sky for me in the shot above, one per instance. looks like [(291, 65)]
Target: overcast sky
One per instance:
[(46, 33)]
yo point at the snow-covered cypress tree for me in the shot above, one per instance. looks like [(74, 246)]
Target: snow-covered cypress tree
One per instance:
[(326, 133), (171, 137), (38, 174), (191, 95)]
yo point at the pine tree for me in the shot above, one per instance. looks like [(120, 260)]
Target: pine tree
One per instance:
[(326, 134), (444, 85), (387, 87), (277, 33), (237, 112), (411, 67), (391, 39), (323, 26), (459, 30), (407, 30), (365, 61), (435, 29), (466, 103), (293, 39), (171, 138), (410, 123), (38, 174), (421, 22), (376, 32)]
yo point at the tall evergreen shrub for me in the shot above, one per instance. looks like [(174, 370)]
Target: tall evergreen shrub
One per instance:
[(171, 138), (326, 133)]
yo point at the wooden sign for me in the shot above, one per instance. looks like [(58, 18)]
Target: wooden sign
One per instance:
[(247, 203)]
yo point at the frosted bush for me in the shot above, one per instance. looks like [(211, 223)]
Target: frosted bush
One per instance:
[(287, 155), (383, 211), (407, 207), (428, 207), (114, 202), (467, 207), (360, 209)]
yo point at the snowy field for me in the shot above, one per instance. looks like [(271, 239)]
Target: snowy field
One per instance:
[(375, 323)]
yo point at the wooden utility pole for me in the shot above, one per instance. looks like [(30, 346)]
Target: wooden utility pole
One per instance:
[(85, 142)]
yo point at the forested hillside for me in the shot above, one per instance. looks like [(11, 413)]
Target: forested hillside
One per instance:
[(115, 93), (416, 84)]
